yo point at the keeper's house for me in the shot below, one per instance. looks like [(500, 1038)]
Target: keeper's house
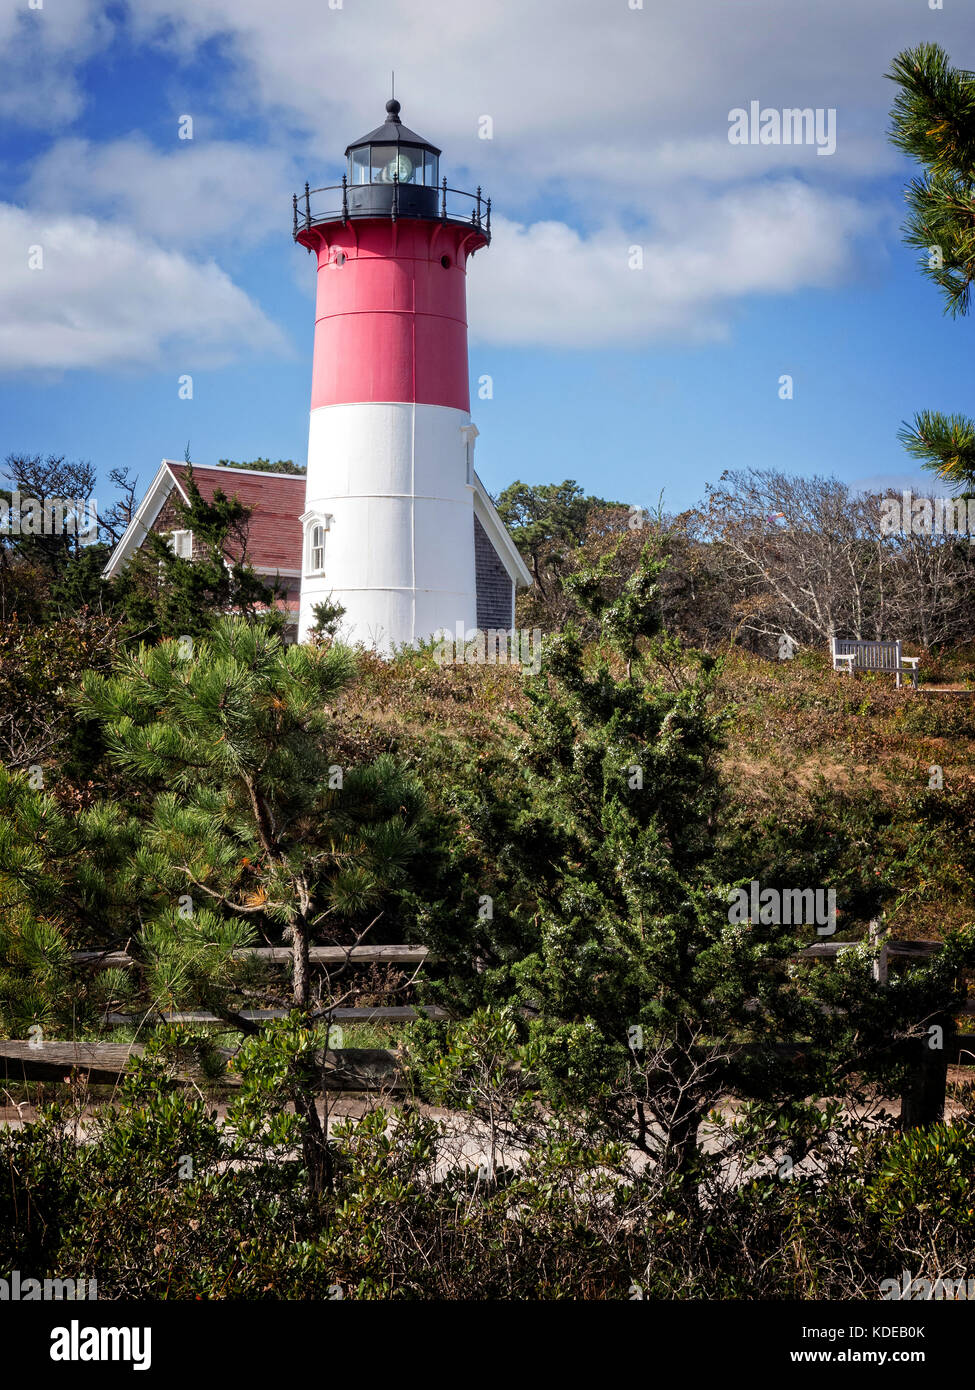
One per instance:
[(274, 535), (277, 537)]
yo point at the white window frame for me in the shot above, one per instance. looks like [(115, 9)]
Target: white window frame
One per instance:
[(181, 544), (316, 548), (315, 521)]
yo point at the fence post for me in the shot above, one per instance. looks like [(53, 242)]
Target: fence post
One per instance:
[(924, 1087), (880, 966), (923, 1097)]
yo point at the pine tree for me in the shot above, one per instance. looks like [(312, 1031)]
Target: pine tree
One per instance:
[(933, 120), (945, 445), (651, 1000), (544, 520), (68, 881), (266, 466), (233, 821), (252, 819)]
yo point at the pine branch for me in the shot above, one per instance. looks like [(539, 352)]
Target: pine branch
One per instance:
[(933, 120), (944, 444)]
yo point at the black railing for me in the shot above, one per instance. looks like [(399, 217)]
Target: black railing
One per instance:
[(339, 202)]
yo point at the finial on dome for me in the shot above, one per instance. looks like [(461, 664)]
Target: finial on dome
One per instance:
[(392, 106)]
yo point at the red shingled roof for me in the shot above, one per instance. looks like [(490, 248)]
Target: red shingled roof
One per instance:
[(277, 501)]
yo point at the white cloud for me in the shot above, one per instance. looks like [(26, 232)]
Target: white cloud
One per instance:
[(186, 196), (40, 53), (579, 92), (547, 283), (108, 298), (714, 159), (607, 120)]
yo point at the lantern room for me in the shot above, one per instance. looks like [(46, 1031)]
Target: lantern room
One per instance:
[(393, 167)]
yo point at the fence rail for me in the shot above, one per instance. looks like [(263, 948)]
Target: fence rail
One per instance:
[(318, 955), (401, 1013), (370, 1069), (105, 1064)]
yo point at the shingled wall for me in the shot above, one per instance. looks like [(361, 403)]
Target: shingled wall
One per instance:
[(494, 587), (168, 518)]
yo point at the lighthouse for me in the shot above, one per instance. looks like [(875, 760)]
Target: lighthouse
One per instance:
[(397, 526)]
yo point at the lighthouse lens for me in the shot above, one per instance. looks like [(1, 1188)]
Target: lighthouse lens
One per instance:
[(387, 162), (402, 166)]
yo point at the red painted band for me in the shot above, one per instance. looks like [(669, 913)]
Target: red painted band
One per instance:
[(391, 319)]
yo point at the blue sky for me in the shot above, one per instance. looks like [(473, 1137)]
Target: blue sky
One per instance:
[(164, 257)]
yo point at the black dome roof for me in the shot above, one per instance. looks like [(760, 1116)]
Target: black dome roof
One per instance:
[(392, 132)]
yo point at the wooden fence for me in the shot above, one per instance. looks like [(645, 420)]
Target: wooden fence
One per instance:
[(372, 1069)]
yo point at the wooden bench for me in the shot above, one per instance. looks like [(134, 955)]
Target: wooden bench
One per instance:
[(850, 654)]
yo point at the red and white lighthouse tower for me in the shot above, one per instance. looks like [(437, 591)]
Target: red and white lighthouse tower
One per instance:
[(391, 495)]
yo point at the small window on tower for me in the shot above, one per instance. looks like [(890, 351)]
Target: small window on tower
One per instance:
[(316, 547)]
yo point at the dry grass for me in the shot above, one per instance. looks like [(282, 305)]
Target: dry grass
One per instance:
[(814, 759), (820, 727)]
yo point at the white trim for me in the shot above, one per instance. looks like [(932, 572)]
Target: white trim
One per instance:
[(470, 433), (500, 537), (316, 548), (247, 472), (143, 518)]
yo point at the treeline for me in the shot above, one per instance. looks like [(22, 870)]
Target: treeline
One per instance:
[(766, 556)]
